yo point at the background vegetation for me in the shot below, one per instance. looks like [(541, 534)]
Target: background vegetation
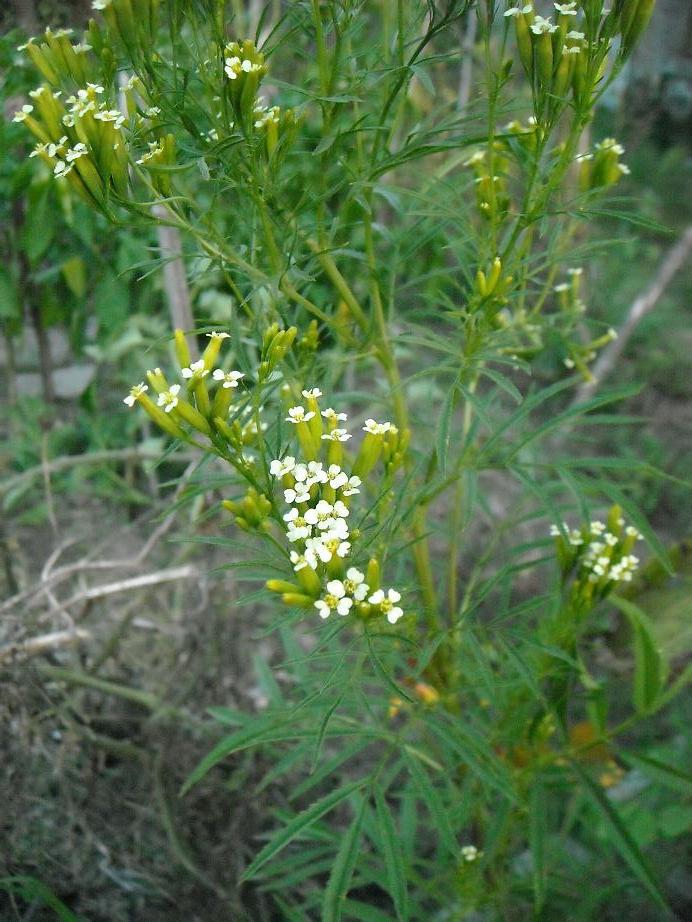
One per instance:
[(102, 726)]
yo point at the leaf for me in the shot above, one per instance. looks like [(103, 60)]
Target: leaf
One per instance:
[(537, 828), (9, 301), (342, 871), (299, 824), (74, 273), (35, 891), (391, 851), (668, 775), (443, 428), (324, 723), (258, 731), (648, 662), (621, 838), (433, 803), (383, 674)]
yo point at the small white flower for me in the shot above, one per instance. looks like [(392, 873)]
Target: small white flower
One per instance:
[(196, 370), (169, 399), (563, 286), (633, 532), (566, 9), (301, 494), (576, 36), (469, 852), (316, 473), (22, 113), (313, 393), (609, 539), (336, 477), (330, 544), (216, 335), (135, 393), (577, 270), (597, 528), (229, 378), (518, 10), (387, 604), (334, 600), (298, 529), (377, 428), (541, 25), (353, 483), (298, 415), (333, 417), (300, 561), (555, 530), (279, 467), (575, 537), (355, 584), (337, 435)]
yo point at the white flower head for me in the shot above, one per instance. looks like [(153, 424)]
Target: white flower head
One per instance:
[(337, 435), (216, 335), (352, 486), (566, 9), (301, 494), (387, 604), (518, 10), (298, 415), (229, 378), (377, 428), (336, 477), (333, 417), (135, 393), (279, 467), (169, 399), (196, 370), (315, 473), (355, 584), (470, 852), (313, 393), (300, 561), (335, 599), (541, 25), (330, 544)]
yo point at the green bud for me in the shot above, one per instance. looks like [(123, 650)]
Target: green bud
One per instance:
[(182, 351), (281, 585)]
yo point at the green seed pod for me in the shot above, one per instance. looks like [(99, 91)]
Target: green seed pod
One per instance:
[(192, 416), (43, 63), (524, 45), (544, 58), (639, 22), (370, 450), (372, 574), (162, 420)]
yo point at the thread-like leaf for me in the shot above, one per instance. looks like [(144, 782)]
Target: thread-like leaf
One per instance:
[(299, 824), (537, 830), (648, 661), (342, 870), (388, 842), (621, 839)]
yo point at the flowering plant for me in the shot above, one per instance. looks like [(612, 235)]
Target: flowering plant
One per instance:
[(427, 648)]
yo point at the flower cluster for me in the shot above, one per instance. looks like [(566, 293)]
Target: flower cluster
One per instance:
[(599, 554), (317, 523)]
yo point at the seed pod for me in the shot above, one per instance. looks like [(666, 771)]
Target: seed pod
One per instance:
[(639, 22), (524, 45)]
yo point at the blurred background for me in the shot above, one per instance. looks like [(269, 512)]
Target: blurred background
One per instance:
[(86, 807)]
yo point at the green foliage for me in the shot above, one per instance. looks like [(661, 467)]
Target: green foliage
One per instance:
[(412, 255)]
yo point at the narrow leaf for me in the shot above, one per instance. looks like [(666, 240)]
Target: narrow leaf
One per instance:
[(340, 878), (648, 661), (299, 824), (393, 859)]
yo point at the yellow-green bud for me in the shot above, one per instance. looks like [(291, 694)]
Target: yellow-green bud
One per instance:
[(281, 585), (182, 351)]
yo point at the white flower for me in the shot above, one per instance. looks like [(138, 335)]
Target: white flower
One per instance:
[(332, 416), (337, 435), (566, 9), (298, 415), (135, 393), (300, 561), (22, 113), (336, 477), (633, 532), (316, 473), (79, 150), (334, 600), (352, 487), (540, 25), (577, 270), (575, 537), (196, 370), (575, 36), (229, 378), (280, 467), (469, 852), (215, 335), (314, 393), (377, 428), (169, 399), (301, 494), (387, 604), (355, 584), (298, 529), (555, 530), (518, 10), (597, 528), (329, 544), (609, 539)]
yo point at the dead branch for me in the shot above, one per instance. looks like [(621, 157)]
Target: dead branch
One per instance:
[(46, 643), (674, 261)]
